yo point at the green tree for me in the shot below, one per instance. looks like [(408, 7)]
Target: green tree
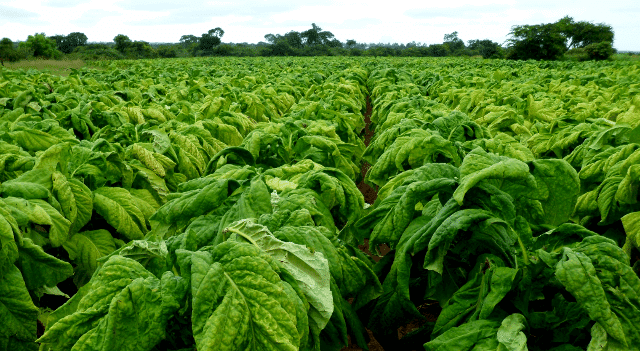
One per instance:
[(75, 39), (294, 39), (537, 42), (68, 43), (7, 52), (167, 51), (454, 43), (140, 49), (486, 48), (210, 40), (59, 39), (41, 46), (122, 42), (438, 50), (316, 36), (599, 51), (351, 43), (188, 40), (581, 34)]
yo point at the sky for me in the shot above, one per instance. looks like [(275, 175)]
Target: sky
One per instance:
[(370, 21)]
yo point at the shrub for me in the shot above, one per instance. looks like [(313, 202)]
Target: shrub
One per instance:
[(96, 52), (167, 51), (41, 46), (599, 51), (7, 52), (577, 54)]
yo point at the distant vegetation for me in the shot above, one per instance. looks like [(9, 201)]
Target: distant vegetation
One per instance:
[(565, 39)]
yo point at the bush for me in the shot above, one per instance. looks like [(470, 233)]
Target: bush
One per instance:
[(599, 51), (167, 51), (92, 52), (577, 54), (40, 46), (7, 52)]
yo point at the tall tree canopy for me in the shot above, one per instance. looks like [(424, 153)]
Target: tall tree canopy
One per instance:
[(453, 42), (69, 42), (41, 46), (210, 39), (551, 40), (316, 36), (581, 34)]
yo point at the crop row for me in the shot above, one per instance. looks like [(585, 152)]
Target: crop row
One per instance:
[(506, 194), (212, 205)]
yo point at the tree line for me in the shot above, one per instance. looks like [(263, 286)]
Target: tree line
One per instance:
[(566, 38)]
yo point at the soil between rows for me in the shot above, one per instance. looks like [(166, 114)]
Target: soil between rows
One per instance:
[(429, 310)]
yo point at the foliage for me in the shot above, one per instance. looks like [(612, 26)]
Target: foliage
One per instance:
[(599, 51), (487, 48), (582, 34), (212, 204), (208, 41), (549, 41), (93, 52), (537, 42), (7, 52), (454, 43), (167, 51), (68, 43), (41, 46), (122, 42), (134, 49)]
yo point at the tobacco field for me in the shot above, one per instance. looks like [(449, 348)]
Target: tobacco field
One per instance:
[(320, 203)]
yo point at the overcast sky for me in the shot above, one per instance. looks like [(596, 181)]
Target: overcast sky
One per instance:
[(367, 21)]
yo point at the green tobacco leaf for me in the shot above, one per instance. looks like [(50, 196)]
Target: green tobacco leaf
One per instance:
[(446, 232), (77, 202), (353, 276), (394, 306), (310, 269), (510, 335), (194, 203), (558, 187), (148, 160), (39, 268), (479, 296), (60, 226), (239, 301), (619, 281), (562, 320), (65, 196), (8, 231), (389, 229), (34, 140), (576, 272), (125, 308), (34, 184), (631, 223), (508, 174), (254, 202), (17, 312), (602, 341), (118, 208), (85, 248), (477, 335)]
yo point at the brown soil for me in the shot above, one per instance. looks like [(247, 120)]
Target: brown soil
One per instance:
[(370, 194), (429, 310)]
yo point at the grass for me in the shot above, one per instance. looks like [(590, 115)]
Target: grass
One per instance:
[(57, 67), (626, 57)]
